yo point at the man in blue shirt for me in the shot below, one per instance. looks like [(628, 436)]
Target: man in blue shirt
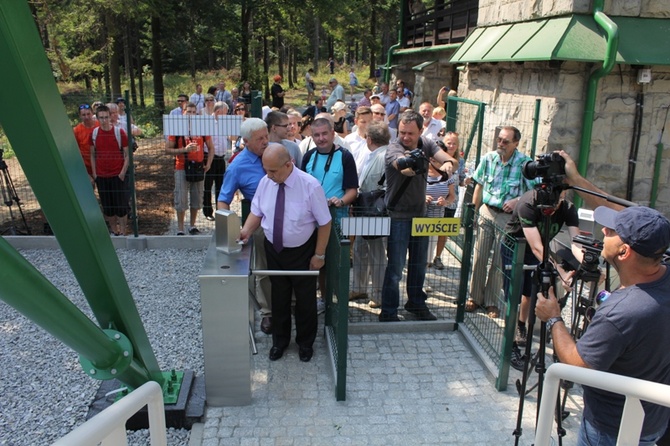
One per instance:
[(244, 174), (393, 110)]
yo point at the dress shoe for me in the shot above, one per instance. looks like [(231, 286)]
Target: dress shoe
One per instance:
[(276, 353), (266, 325), (385, 317), (421, 313), (305, 353)]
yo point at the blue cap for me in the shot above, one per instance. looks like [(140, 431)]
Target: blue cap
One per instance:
[(644, 229)]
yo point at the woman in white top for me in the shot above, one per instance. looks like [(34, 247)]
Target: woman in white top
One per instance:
[(208, 109)]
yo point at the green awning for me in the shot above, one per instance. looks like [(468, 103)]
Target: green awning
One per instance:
[(423, 65), (642, 41)]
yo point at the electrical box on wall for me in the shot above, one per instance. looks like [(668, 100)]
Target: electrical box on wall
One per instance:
[(644, 75)]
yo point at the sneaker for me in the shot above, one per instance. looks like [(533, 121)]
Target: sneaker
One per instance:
[(193, 231), (320, 306), (180, 232), (520, 335), (209, 217), (437, 263), (518, 360), (422, 314)]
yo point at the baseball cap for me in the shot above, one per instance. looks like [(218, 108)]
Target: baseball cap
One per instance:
[(375, 96), (120, 100), (339, 106), (646, 230)]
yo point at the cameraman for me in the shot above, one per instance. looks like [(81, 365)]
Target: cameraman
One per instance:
[(629, 330), (528, 221), (406, 198)]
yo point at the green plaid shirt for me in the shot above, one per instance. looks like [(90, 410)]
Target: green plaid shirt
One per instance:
[(502, 182)]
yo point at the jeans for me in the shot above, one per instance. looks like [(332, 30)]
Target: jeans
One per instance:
[(399, 242), (589, 435)]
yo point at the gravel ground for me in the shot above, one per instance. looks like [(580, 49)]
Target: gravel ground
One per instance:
[(43, 391)]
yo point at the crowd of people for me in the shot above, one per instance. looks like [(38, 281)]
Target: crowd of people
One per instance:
[(301, 172)]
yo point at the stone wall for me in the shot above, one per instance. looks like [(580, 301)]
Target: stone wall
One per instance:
[(511, 90), (493, 12)]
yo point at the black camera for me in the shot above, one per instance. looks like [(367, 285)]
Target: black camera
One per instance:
[(550, 166), (588, 269), (416, 161)]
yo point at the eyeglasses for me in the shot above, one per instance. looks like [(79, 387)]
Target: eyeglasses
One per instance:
[(84, 107), (504, 141), (207, 100)]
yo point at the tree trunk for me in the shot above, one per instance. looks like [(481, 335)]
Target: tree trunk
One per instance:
[(316, 41), (280, 53), (157, 63), (371, 38), (244, 40), (266, 68)]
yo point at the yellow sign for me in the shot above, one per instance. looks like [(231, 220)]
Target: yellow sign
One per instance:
[(435, 226)]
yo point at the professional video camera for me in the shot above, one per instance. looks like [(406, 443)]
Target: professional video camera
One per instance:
[(416, 161), (551, 167)]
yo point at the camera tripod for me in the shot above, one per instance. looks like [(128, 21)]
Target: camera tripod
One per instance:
[(9, 197), (544, 278)]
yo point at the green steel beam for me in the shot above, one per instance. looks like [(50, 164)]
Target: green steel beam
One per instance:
[(34, 119)]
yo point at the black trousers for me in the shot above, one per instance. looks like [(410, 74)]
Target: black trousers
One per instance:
[(283, 287), (214, 176)]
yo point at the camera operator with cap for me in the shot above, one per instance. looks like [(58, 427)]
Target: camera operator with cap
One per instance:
[(405, 199), (629, 333)]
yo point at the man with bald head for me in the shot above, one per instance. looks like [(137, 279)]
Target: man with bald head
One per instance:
[(379, 114), (244, 174), (292, 244), (432, 128)]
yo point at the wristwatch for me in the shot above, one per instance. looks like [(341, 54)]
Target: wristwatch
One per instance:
[(320, 257), (552, 321)]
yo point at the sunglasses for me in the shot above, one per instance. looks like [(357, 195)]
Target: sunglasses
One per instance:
[(240, 109), (181, 100), (84, 107), (208, 100), (503, 141)]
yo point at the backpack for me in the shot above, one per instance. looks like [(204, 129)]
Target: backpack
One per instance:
[(117, 135)]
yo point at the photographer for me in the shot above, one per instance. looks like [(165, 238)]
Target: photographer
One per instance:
[(628, 328), (406, 167), (528, 221)]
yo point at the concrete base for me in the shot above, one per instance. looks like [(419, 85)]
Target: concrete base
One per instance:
[(187, 411)]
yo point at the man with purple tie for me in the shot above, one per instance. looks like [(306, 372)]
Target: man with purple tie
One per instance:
[(286, 202)]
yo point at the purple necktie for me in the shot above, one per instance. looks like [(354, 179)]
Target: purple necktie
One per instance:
[(278, 229)]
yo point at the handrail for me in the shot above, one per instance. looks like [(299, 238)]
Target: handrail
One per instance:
[(109, 426), (634, 389)]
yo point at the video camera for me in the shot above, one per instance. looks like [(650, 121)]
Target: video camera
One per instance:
[(551, 167), (416, 161)]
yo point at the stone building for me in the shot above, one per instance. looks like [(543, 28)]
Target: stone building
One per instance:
[(603, 103)]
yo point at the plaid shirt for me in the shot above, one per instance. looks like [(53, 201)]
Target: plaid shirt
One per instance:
[(502, 182)]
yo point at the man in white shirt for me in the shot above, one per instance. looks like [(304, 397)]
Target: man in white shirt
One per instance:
[(198, 98), (337, 93), (431, 126), (357, 140)]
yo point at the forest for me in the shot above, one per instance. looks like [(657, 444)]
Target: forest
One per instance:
[(110, 46)]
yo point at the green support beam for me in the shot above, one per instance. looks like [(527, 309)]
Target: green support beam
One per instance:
[(35, 120)]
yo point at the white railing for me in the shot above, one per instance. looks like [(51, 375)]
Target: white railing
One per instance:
[(634, 390), (108, 428)]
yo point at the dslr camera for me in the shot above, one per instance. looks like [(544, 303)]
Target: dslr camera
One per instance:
[(416, 161)]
